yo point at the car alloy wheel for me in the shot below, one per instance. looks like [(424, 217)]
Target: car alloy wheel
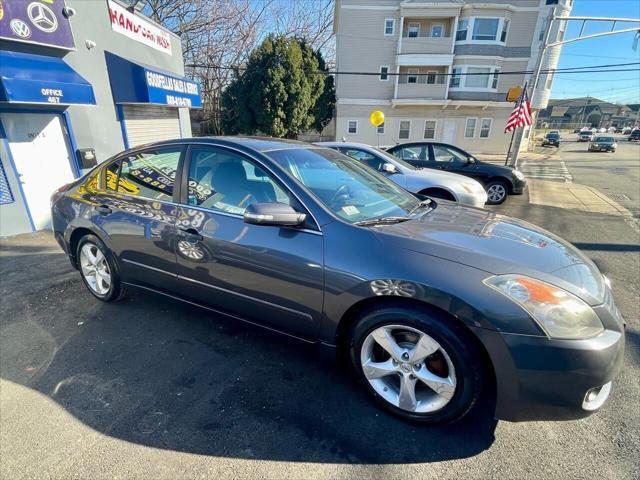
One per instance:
[(408, 368), (496, 193), (95, 269)]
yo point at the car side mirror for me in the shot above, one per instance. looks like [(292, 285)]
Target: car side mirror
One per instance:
[(389, 168), (471, 159), (275, 214)]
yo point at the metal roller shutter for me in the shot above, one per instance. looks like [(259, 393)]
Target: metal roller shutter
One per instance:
[(149, 123)]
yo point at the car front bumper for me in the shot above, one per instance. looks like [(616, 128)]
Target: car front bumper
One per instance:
[(600, 148), (518, 186), (538, 378)]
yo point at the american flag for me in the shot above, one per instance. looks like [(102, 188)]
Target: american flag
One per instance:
[(521, 114)]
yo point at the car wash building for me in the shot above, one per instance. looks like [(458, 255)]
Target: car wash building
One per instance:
[(80, 81)]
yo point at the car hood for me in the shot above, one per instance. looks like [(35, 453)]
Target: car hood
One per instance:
[(498, 245)]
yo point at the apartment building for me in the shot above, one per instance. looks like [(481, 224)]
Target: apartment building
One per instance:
[(438, 67)]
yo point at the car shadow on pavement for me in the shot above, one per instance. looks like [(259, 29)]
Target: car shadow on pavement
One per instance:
[(155, 372)]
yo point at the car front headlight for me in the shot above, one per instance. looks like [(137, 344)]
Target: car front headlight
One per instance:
[(559, 313), (518, 174)]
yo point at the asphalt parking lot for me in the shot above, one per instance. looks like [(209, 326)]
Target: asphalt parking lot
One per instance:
[(149, 388)]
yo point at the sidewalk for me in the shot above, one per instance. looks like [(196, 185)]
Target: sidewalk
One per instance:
[(572, 196)]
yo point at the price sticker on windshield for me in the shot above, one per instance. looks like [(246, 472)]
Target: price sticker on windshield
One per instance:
[(350, 210)]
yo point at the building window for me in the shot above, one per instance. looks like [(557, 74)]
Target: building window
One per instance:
[(463, 28), (470, 128), (429, 129), (496, 76), (455, 77), (549, 81), (505, 30), (414, 30), (485, 28), (380, 129), (389, 26), (485, 127), (412, 76), (431, 77), (437, 30), (384, 73), (477, 77), (352, 126), (405, 130)]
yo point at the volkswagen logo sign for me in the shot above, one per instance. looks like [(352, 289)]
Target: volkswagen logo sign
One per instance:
[(20, 28), (42, 17)]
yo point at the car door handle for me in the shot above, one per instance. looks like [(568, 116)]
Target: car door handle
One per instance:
[(103, 210), (190, 234)]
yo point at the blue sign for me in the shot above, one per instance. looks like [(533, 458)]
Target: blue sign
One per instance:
[(135, 83), (170, 90), (28, 78), (39, 21)]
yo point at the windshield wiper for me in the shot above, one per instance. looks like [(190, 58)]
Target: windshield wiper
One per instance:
[(423, 203), (381, 221)]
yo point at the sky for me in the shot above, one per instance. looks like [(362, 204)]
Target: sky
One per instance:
[(614, 87)]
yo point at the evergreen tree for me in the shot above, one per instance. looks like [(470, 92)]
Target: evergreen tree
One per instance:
[(278, 92)]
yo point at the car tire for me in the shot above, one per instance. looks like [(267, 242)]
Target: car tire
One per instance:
[(99, 270), (497, 192), (454, 367)]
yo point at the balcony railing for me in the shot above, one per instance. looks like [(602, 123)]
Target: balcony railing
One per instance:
[(424, 91), (426, 45)]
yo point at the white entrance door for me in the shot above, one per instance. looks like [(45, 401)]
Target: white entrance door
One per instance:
[(39, 149), (449, 131)]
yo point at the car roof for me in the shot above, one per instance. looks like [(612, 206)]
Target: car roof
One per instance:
[(261, 144)]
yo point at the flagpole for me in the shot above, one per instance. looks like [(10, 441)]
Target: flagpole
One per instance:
[(513, 132), (506, 160)]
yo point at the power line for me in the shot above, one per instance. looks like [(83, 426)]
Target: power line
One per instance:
[(568, 70)]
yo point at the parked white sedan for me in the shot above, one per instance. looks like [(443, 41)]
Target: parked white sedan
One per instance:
[(448, 186)]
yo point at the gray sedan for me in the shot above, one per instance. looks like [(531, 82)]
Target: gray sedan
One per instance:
[(436, 184), (431, 304)]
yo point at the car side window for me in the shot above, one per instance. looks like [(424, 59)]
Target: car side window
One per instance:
[(147, 174), (413, 153), (225, 181), (448, 155), (365, 157)]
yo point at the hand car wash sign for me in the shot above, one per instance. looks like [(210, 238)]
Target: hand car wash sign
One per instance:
[(138, 29)]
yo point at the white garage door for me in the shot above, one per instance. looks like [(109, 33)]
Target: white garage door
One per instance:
[(148, 123)]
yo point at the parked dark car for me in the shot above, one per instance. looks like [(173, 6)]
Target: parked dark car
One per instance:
[(498, 180), (551, 138), (431, 303), (634, 136), (602, 143)]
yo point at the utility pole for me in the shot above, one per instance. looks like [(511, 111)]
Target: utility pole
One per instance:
[(534, 83), (584, 110), (546, 45)]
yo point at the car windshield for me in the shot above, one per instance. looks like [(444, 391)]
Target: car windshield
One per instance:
[(604, 139), (349, 189), (553, 135)]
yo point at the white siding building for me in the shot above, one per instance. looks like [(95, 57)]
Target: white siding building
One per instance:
[(422, 53)]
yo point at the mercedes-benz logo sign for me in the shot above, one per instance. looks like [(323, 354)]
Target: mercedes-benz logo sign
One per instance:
[(20, 28), (42, 17)]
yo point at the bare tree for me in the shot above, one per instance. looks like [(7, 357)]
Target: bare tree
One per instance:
[(217, 37)]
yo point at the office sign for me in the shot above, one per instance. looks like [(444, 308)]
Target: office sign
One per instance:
[(39, 21), (137, 28)]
